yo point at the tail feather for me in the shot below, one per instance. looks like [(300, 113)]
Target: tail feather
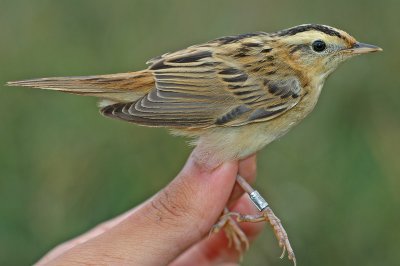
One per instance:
[(117, 87)]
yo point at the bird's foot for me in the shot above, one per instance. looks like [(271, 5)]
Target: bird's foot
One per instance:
[(232, 230), (267, 215)]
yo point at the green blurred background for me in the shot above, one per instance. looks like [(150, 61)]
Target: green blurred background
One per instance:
[(334, 180)]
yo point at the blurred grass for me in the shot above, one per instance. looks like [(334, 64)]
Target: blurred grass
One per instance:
[(334, 180)]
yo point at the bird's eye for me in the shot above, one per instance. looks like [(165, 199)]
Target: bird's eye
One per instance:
[(319, 46)]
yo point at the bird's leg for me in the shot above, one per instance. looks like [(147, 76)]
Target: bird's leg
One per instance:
[(228, 222), (266, 215), (232, 231)]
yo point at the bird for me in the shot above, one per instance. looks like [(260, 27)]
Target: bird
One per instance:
[(231, 96)]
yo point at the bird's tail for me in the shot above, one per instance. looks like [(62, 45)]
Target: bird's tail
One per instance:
[(116, 87)]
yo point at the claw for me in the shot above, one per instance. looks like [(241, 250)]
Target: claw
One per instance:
[(233, 232), (283, 252), (267, 215)]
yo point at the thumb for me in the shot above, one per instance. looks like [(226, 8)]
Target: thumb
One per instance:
[(157, 231), (184, 211)]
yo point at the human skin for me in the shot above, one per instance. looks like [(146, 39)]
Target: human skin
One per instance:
[(172, 227)]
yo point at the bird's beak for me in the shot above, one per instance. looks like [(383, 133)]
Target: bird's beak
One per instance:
[(362, 48)]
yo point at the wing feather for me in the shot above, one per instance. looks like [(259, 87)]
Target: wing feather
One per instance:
[(198, 87)]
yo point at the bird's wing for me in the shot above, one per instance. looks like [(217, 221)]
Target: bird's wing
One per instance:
[(198, 87)]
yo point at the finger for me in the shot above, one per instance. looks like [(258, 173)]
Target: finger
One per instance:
[(247, 170), (167, 224), (214, 249), (96, 231)]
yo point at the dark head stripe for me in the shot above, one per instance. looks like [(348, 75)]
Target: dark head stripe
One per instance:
[(308, 27), (236, 38)]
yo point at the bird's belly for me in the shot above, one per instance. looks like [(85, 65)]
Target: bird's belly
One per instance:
[(226, 144), (229, 143)]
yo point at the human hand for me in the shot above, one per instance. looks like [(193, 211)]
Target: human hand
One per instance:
[(171, 227)]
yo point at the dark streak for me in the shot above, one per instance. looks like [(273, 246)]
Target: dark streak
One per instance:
[(251, 98), (263, 113), (234, 87), (287, 94), (234, 113), (230, 71), (240, 78), (190, 58), (244, 49), (309, 27), (272, 88), (159, 65), (276, 105), (239, 93), (241, 54), (266, 50), (236, 38), (253, 44)]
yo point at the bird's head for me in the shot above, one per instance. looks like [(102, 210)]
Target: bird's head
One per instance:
[(319, 49)]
